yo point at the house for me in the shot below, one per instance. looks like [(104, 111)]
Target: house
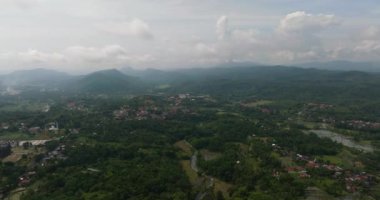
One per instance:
[(33, 142), (295, 169), (4, 126), (266, 110), (53, 126), (34, 130), (312, 165), (304, 175), (23, 181), (74, 131)]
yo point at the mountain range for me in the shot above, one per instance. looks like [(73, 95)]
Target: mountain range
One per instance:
[(236, 81), (342, 65)]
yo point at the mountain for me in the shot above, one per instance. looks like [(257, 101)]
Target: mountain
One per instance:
[(108, 81), (154, 75), (279, 82), (34, 77), (341, 65), (231, 81)]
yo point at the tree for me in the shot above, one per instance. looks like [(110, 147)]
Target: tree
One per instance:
[(5, 150), (219, 196)]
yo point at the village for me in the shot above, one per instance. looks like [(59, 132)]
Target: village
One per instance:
[(150, 109), (41, 144), (306, 167)]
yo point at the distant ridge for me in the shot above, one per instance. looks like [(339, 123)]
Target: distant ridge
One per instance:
[(34, 77), (342, 65)]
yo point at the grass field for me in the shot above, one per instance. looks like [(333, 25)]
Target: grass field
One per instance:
[(196, 180), (223, 187), (314, 193), (15, 194), (22, 106), (191, 174), (163, 86), (15, 136), (18, 152), (185, 147), (287, 161), (26, 136), (257, 103), (344, 159)]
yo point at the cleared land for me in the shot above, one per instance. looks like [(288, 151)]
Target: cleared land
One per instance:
[(257, 103), (18, 152)]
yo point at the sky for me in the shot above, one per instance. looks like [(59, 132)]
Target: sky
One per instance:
[(79, 36)]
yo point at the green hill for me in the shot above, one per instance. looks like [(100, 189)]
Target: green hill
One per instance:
[(108, 81)]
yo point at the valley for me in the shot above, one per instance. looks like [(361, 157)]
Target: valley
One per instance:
[(229, 139)]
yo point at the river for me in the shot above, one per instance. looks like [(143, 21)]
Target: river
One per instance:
[(344, 140)]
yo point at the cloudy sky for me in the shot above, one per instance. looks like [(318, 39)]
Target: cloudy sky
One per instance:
[(87, 35)]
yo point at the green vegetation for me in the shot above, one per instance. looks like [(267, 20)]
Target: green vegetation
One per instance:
[(230, 133)]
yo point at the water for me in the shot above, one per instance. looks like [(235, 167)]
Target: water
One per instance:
[(344, 140), (193, 161)]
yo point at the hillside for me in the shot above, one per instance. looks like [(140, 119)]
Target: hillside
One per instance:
[(108, 81), (341, 65), (34, 77), (280, 82)]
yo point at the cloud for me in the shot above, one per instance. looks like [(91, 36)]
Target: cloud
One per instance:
[(23, 4), (372, 32), (205, 50), (302, 22), (250, 36), (363, 46), (368, 46), (71, 58), (31, 57), (295, 39), (222, 30), (107, 56), (135, 27), (298, 56), (96, 55), (180, 33)]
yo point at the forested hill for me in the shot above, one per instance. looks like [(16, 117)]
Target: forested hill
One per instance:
[(281, 82), (271, 82), (108, 81), (37, 76)]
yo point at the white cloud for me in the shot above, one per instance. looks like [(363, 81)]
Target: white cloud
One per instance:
[(250, 36), (30, 58), (24, 4), (183, 33), (297, 37), (135, 27), (108, 56), (363, 46), (222, 29), (302, 22), (294, 40), (372, 32), (96, 55), (71, 58), (204, 49), (368, 46)]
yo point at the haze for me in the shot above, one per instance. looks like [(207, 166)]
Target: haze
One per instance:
[(89, 35)]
